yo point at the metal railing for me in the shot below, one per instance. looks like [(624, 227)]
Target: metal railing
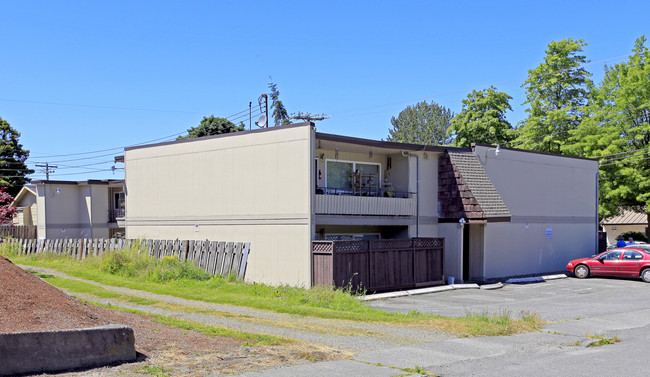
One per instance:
[(364, 191), (116, 214)]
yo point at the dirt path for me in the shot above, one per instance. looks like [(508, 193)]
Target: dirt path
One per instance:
[(346, 336)]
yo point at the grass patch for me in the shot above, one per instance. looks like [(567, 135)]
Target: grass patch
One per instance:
[(152, 370), (250, 339), (130, 268), (602, 341)]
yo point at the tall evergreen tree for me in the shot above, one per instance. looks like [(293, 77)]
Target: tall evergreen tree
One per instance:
[(482, 119), (13, 167), (422, 123), (556, 91), (280, 115)]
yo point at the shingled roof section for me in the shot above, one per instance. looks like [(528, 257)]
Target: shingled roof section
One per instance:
[(627, 217), (479, 184)]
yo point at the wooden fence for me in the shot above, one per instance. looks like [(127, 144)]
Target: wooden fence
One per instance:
[(217, 258), (379, 265), (18, 231)]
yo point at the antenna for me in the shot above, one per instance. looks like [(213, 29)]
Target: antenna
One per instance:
[(262, 121)]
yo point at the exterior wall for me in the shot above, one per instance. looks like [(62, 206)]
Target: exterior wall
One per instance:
[(61, 212), (612, 234), (99, 206), (453, 234), (542, 192), (250, 186), (428, 192), (511, 249)]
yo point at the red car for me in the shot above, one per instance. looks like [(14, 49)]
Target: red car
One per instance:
[(624, 262)]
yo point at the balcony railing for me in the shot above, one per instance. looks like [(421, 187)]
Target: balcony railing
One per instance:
[(116, 214), (364, 191), (329, 201)]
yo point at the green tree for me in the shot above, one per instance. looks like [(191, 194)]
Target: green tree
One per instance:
[(280, 115), (482, 119), (212, 126), (557, 90), (422, 123), (13, 168), (617, 129)]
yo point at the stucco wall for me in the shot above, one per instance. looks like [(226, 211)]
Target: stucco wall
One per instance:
[(251, 186), (452, 232), (511, 249), (612, 234)]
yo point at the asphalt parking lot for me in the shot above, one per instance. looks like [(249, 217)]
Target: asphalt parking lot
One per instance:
[(575, 309), (555, 300)]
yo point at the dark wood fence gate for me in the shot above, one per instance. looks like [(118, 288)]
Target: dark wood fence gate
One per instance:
[(379, 265)]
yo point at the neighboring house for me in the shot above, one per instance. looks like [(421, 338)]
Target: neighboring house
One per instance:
[(626, 221), (283, 188), (26, 208), (72, 209)]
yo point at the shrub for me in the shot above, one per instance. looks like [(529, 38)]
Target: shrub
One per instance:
[(637, 236)]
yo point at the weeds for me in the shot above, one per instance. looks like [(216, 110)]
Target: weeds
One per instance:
[(602, 341)]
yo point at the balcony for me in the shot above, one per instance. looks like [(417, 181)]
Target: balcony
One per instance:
[(116, 214), (370, 202)]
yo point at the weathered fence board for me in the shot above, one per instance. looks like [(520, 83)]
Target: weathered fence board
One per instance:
[(18, 231), (215, 257), (379, 265)]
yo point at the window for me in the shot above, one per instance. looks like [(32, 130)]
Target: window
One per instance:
[(118, 202), (631, 254), (353, 177), (612, 255), (352, 237)]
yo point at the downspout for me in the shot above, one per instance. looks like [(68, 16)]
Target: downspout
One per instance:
[(417, 191), (597, 202)]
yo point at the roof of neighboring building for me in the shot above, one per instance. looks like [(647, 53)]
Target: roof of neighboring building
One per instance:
[(24, 191), (88, 182), (627, 217), (479, 183)]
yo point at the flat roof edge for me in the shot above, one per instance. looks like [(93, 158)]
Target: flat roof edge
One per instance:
[(294, 125)]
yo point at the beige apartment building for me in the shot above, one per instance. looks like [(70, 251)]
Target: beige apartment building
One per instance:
[(506, 213), (72, 209)]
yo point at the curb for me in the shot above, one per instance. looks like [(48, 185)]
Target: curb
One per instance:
[(451, 287), (535, 279), (53, 351), (419, 291)]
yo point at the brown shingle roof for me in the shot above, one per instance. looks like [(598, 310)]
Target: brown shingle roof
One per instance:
[(479, 183)]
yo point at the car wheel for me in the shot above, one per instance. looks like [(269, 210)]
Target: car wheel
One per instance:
[(581, 271), (645, 275)]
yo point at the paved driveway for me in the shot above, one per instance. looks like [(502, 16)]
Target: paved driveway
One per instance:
[(576, 308), (555, 300)]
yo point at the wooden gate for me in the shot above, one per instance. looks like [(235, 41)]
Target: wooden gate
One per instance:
[(379, 265)]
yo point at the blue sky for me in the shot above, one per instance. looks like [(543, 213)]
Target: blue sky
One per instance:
[(84, 76)]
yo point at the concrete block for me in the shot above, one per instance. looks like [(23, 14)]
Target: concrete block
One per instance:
[(51, 351)]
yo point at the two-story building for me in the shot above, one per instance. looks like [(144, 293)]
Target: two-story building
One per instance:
[(502, 212), (72, 209)]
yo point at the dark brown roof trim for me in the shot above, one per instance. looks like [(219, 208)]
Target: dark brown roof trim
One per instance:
[(217, 136), (533, 152), (90, 182), (119, 159), (380, 144)]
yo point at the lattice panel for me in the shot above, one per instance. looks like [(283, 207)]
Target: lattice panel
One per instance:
[(428, 243), (391, 244), (350, 246), (322, 246)]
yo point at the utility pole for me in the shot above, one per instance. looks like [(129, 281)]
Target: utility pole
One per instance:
[(48, 169)]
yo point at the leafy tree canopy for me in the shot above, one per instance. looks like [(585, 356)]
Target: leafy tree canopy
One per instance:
[(422, 123), (280, 115), (617, 126), (556, 91), (212, 126), (482, 119), (7, 212), (12, 159)]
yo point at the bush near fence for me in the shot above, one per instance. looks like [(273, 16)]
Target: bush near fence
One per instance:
[(215, 257)]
